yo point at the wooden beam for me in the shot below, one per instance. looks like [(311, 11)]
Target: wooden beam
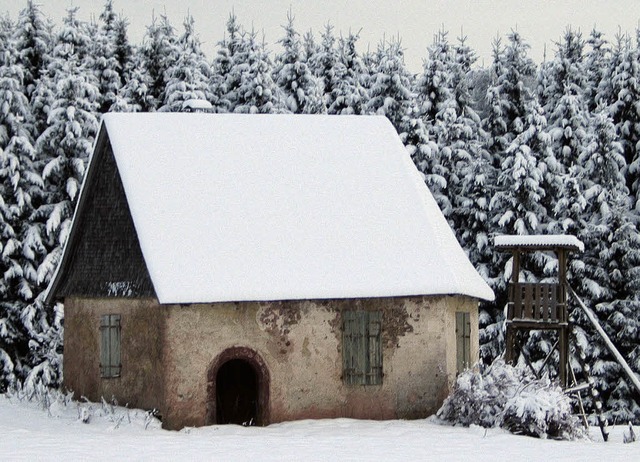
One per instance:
[(607, 341)]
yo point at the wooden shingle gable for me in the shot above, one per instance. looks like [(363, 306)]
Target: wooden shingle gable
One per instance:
[(103, 257)]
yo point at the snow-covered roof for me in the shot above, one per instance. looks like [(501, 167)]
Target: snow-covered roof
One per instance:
[(201, 104), (542, 241), (231, 207)]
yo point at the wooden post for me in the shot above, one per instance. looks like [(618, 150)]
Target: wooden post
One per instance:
[(515, 266), (510, 336), (563, 333), (508, 355), (563, 346)]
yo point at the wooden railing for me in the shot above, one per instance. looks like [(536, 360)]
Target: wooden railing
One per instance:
[(540, 303)]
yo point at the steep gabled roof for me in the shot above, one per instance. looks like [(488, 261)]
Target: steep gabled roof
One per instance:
[(276, 207)]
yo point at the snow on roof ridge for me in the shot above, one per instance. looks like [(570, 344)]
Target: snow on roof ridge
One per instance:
[(539, 240), (297, 207)]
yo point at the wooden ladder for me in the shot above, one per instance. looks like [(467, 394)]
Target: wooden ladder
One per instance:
[(575, 389)]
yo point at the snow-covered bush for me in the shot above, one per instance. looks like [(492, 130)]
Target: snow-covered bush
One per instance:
[(512, 398)]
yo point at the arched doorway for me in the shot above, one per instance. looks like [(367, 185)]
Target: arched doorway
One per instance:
[(237, 393), (238, 388)]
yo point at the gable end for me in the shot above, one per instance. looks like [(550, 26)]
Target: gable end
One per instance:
[(103, 256)]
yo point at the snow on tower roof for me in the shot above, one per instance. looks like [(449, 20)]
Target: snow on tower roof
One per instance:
[(197, 104), (542, 241), (231, 207)]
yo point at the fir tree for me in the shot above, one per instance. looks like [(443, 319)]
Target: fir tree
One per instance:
[(159, 51), (20, 186), (135, 95), (65, 143), (189, 77), (107, 68), (299, 86), (508, 95), (123, 49), (326, 66), (625, 110), (564, 71), (257, 93), (223, 85), (34, 39), (390, 95), (434, 87), (349, 94), (596, 63)]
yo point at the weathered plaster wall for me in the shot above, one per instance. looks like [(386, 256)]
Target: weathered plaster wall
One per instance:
[(300, 342), (141, 380), (167, 352)]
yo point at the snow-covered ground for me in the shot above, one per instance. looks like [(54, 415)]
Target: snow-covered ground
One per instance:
[(30, 431)]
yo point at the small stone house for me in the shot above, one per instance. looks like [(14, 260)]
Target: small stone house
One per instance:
[(255, 269)]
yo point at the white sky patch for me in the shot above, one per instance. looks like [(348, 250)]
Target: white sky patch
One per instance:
[(540, 22)]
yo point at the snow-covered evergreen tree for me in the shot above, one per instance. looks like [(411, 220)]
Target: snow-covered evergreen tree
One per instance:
[(349, 94), (300, 88), (611, 249), (565, 70), (508, 95), (124, 50), (19, 184), (159, 51), (324, 62), (188, 77), (434, 87), (596, 63), (510, 111), (517, 204), (64, 145), (472, 177), (134, 95), (257, 93), (34, 40), (223, 84), (106, 66), (625, 110), (390, 95)]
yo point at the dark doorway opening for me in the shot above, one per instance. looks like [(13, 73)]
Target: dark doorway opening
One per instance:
[(237, 394), (238, 378)]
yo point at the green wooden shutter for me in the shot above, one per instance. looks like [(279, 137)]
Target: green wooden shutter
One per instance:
[(362, 348), (374, 371), (463, 341), (353, 345), (104, 346), (110, 365), (114, 348)]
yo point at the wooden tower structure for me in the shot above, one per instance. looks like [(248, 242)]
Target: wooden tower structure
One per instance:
[(539, 305), (544, 306)]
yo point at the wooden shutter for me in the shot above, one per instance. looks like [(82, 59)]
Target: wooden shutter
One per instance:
[(114, 349), (374, 370), (463, 340), (354, 344), (104, 346), (361, 347), (110, 345)]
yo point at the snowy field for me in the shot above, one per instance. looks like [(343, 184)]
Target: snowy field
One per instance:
[(28, 431)]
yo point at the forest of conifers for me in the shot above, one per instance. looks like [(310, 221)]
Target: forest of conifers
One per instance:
[(512, 148)]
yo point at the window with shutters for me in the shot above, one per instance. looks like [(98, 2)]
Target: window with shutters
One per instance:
[(362, 347), (110, 365), (463, 340)]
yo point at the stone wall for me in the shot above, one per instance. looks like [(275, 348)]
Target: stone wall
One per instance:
[(141, 381), (169, 353), (300, 342)]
